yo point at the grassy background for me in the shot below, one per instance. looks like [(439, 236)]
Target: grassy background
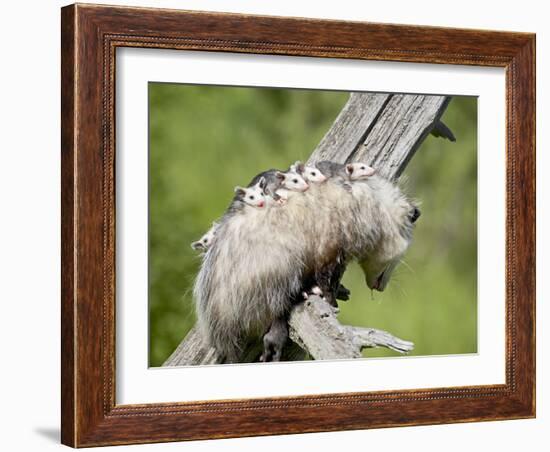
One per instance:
[(205, 140)]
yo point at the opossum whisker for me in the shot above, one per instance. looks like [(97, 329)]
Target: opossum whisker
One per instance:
[(186, 293), (405, 264)]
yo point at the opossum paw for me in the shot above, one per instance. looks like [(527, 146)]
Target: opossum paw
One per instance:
[(274, 341), (272, 351), (342, 293)]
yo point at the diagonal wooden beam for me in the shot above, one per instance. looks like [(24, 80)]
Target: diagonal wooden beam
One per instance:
[(401, 128), (350, 128)]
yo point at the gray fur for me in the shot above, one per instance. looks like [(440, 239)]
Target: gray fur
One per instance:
[(345, 172), (272, 182), (275, 340), (332, 169), (247, 277)]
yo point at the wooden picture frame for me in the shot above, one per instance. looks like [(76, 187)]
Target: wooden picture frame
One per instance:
[(90, 36)]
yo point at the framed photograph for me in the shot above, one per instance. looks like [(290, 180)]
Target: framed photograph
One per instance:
[(282, 225)]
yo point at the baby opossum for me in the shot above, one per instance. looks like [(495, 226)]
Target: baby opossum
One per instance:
[(279, 184), (309, 173), (344, 173), (262, 257), (291, 182), (276, 184), (206, 240)]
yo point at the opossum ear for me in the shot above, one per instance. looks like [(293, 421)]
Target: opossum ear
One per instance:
[(414, 214), (262, 183), (197, 246), (279, 175), (349, 169), (299, 167), (240, 191)]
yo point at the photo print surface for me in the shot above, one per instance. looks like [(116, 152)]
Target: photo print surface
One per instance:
[(243, 230)]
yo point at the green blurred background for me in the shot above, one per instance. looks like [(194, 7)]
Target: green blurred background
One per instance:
[(204, 140)]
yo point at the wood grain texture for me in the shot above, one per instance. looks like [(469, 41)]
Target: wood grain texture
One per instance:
[(68, 243), (403, 124), (350, 127), (315, 328), (192, 350), (90, 36)]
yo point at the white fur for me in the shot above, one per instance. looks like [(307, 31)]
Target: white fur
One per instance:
[(358, 171), (312, 174), (253, 196), (248, 276), (292, 183), (206, 240)]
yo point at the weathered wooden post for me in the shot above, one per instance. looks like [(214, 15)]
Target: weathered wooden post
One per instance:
[(383, 130)]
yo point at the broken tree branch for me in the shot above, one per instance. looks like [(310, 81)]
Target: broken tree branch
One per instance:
[(315, 328)]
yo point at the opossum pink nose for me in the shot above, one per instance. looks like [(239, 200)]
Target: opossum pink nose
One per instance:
[(261, 204)]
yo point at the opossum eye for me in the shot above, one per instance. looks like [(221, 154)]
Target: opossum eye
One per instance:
[(313, 173), (415, 213), (362, 167), (251, 197), (295, 181)]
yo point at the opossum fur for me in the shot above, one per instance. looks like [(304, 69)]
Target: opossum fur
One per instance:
[(278, 183), (390, 220), (262, 257), (248, 276)]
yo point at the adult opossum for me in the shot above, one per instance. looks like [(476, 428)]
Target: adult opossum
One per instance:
[(372, 223), (261, 258)]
